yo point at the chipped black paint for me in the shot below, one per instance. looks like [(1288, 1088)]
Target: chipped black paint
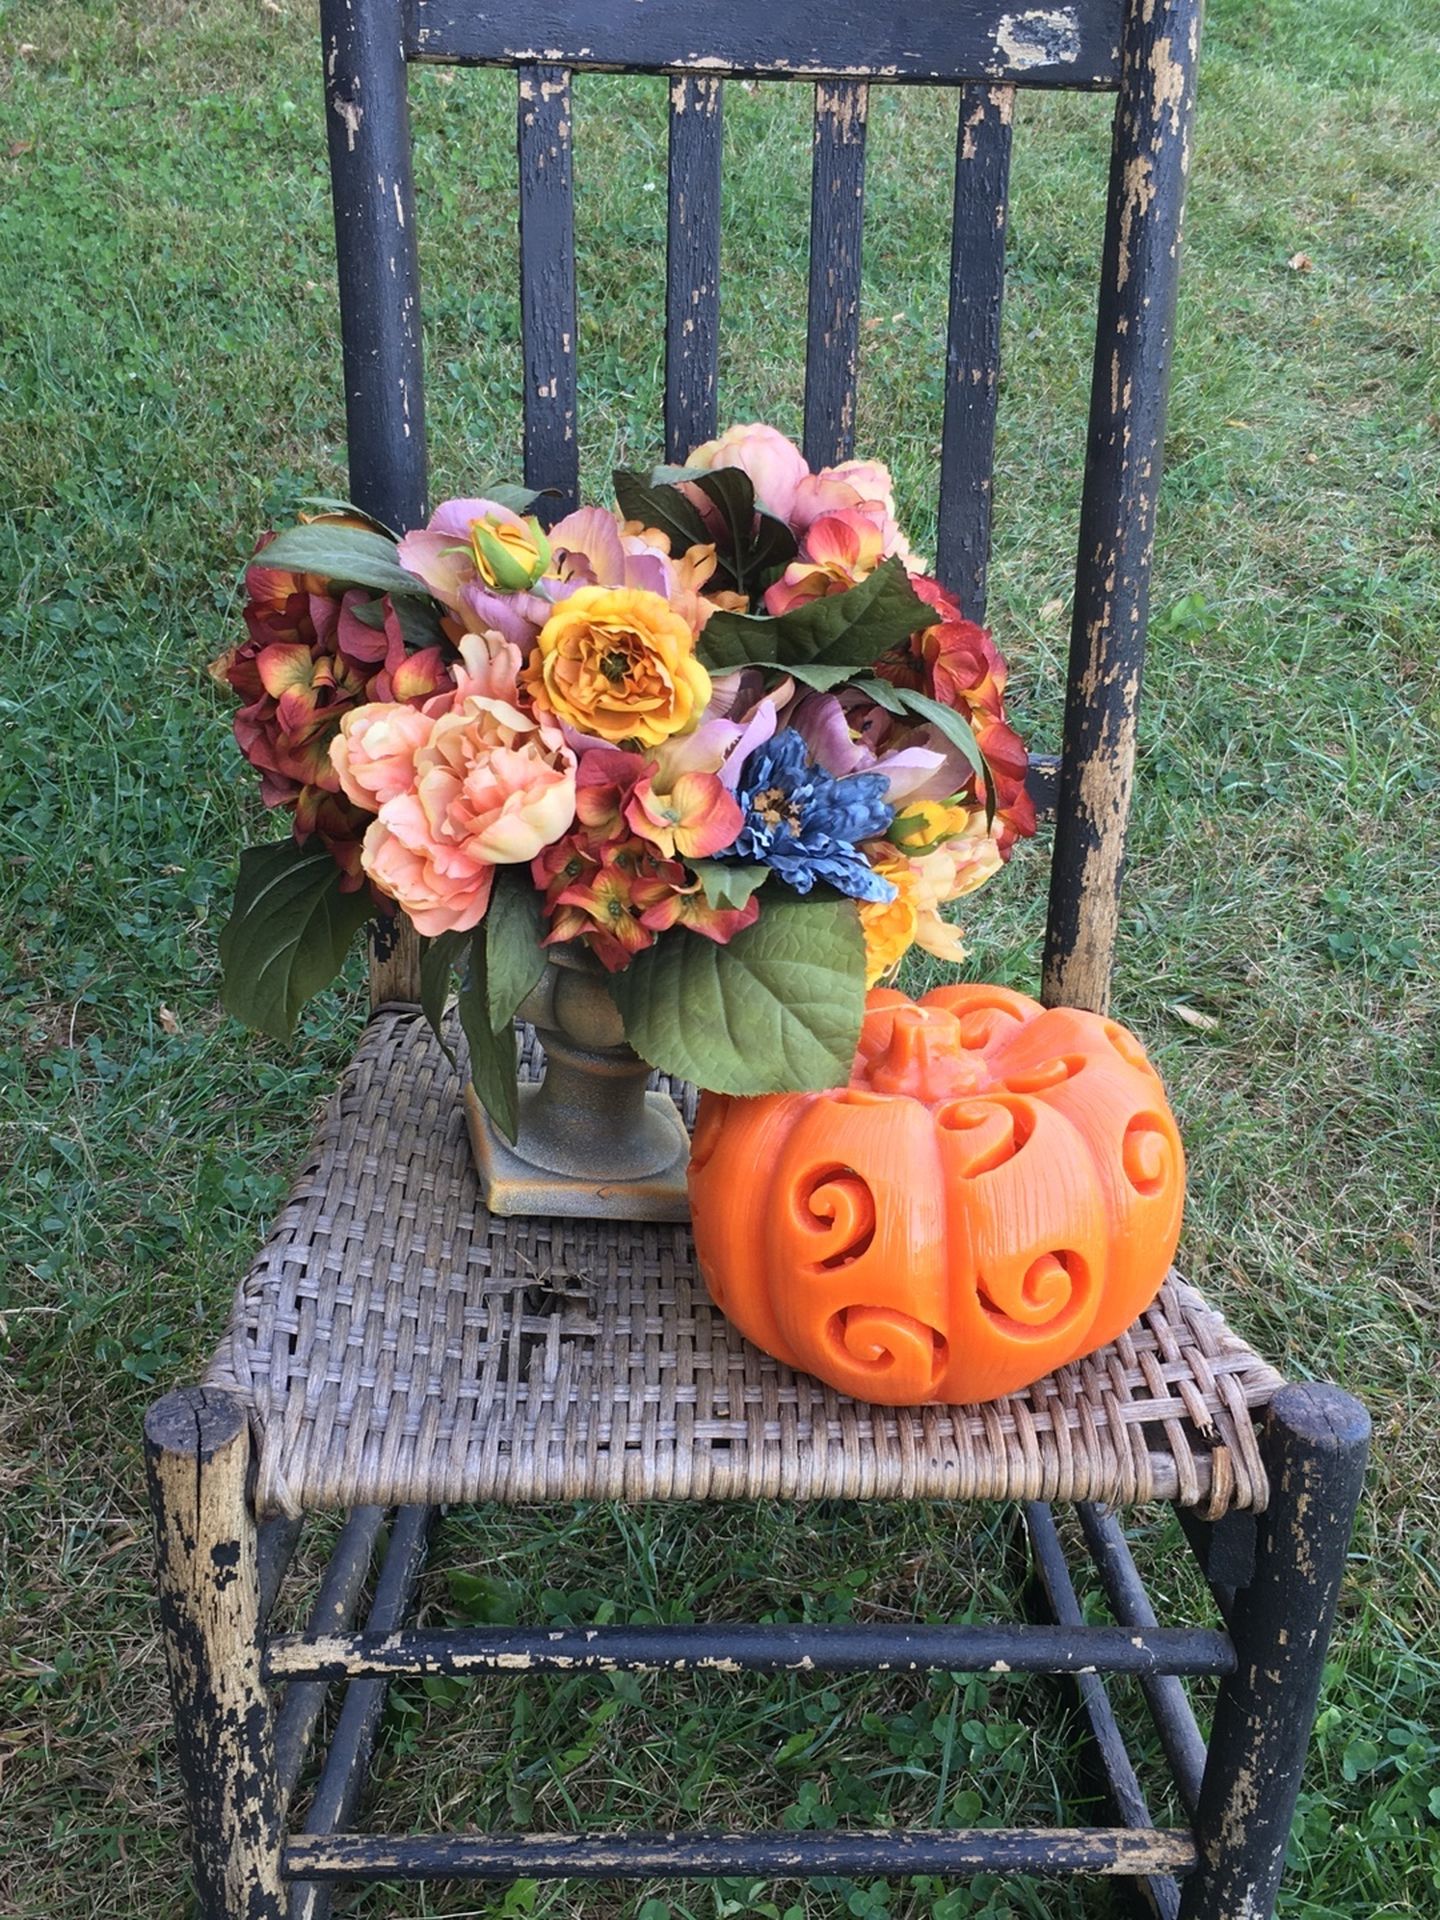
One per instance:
[(1053, 45), (972, 346), (547, 288), (725, 1648), (1165, 1696), (692, 265), (638, 1856), (1315, 1442), (1134, 327), (837, 215), (1054, 1597), (196, 1447), (368, 126)]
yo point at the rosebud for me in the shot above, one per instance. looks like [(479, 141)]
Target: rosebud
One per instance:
[(510, 556), (926, 824)]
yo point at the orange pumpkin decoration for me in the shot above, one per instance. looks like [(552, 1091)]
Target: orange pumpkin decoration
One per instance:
[(996, 1192)]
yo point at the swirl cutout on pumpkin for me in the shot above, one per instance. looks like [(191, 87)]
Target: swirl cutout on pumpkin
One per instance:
[(1129, 1048), (883, 1341), (1046, 1074), (837, 1202), (1147, 1155), (988, 1132), (1054, 1291)]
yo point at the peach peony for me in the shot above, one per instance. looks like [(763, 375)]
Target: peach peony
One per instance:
[(374, 752), (618, 664), (489, 788)]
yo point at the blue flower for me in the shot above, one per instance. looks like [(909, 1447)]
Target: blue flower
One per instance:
[(804, 823)]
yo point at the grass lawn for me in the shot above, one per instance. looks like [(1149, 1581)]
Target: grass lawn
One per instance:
[(171, 384)]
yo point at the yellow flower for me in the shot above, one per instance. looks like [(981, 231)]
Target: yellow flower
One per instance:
[(509, 554), (619, 663), (889, 925), (924, 824)]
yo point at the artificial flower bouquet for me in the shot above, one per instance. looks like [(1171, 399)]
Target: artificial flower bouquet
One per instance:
[(728, 737)]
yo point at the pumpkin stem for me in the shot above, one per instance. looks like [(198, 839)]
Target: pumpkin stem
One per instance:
[(925, 1057)]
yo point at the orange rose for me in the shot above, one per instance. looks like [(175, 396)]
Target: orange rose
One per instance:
[(619, 663)]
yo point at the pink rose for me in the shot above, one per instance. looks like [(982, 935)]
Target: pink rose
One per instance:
[(855, 486), (775, 465)]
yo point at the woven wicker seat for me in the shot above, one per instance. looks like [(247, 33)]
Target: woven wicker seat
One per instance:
[(395, 1342)]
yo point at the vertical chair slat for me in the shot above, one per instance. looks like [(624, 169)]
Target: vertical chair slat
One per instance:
[(837, 214), (368, 126), (547, 286), (1149, 160), (367, 117), (692, 273), (972, 348)]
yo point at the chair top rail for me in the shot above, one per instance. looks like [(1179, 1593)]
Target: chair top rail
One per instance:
[(945, 41)]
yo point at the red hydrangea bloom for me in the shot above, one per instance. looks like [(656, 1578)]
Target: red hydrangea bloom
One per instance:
[(309, 656), (956, 662)]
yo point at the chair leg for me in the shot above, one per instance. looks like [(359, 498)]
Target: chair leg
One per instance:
[(197, 1450), (1314, 1444)]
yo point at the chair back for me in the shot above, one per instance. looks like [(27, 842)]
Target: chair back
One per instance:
[(1144, 51)]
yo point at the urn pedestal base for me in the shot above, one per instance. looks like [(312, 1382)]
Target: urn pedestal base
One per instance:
[(513, 1184), (592, 1143)]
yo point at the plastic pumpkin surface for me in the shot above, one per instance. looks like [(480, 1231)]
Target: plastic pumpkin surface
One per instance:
[(996, 1192)]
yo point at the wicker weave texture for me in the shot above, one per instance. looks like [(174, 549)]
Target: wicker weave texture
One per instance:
[(396, 1342)]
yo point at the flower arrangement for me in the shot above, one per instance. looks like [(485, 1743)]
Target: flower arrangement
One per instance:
[(728, 737)]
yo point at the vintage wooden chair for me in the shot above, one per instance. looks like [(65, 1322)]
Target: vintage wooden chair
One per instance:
[(380, 1355)]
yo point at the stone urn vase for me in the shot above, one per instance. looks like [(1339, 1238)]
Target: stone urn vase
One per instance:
[(593, 1142)]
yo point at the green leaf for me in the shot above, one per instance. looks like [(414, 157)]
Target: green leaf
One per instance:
[(814, 674), (777, 1010), (730, 492), (661, 507), (514, 957), (437, 960), (672, 476), (848, 629), (753, 545), (494, 1067), (882, 692), (957, 730), (419, 622), (348, 556), (287, 935), (517, 499), (728, 883)]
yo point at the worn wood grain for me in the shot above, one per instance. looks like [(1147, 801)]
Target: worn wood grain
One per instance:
[(394, 962), (1074, 45), (1150, 158), (837, 218), (692, 268), (197, 1451), (1315, 1441), (547, 287), (720, 1647), (633, 1856), (972, 345), (367, 120)]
